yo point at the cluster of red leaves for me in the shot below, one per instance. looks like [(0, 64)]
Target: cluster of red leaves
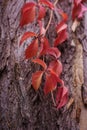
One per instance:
[(40, 46), (61, 29), (78, 9), (28, 11)]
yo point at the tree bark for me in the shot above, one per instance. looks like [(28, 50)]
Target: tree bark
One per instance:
[(22, 108)]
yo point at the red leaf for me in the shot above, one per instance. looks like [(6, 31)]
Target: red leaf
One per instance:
[(62, 97), (82, 10), (42, 12), (64, 15), (32, 49), (76, 2), (27, 13), (78, 11), (61, 26), (56, 67), (50, 83), (83, 0), (36, 79), (27, 35), (44, 46), (47, 3), (53, 51), (27, 6), (51, 71), (62, 36), (40, 62)]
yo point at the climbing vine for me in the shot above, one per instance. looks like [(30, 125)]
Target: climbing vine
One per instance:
[(40, 48)]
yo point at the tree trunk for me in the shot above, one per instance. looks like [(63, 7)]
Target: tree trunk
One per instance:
[(22, 108)]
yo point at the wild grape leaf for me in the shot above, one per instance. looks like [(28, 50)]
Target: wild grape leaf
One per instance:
[(36, 79), (27, 6), (44, 46), (56, 66), (78, 11), (47, 3), (50, 83), (27, 35), (61, 26), (42, 12), (32, 49), (77, 2), (53, 51), (63, 14), (27, 13), (40, 62), (62, 36), (84, 0), (83, 9), (62, 97)]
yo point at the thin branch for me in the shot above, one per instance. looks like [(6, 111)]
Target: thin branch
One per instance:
[(56, 1), (53, 98), (51, 15)]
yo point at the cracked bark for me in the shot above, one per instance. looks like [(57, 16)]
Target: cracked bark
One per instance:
[(21, 108), (84, 39)]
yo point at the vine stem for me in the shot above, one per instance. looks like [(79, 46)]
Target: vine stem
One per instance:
[(51, 15), (53, 98)]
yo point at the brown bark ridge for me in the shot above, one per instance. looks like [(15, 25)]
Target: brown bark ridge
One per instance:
[(21, 107)]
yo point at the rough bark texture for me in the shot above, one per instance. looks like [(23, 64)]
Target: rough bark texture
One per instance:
[(21, 107)]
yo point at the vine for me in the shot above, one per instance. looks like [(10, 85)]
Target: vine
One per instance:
[(40, 45)]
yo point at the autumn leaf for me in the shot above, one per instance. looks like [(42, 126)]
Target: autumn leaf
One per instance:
[(78, 11), (42, 12), (53, 51), (47, 3), (62, 97), (50, 83), (32, 49), (27, 35), (36, 79), (56, 67), (62, 36), (27, 13), (76, 2), (82, 10), (44, 46), (63, 14), (40, 62), (61, 26)]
